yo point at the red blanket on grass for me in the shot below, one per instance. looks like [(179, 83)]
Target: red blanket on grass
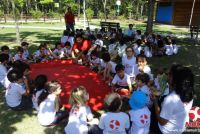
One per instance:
[(72, 75)]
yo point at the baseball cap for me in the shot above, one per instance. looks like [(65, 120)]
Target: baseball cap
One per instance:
[(138, 100)]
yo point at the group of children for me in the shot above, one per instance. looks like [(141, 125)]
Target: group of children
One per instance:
[(131, 78)]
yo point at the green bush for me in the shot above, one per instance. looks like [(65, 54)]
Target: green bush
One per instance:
[(101, 15), (1, 14), (121, 17), (90, 13), (112, 14), (36, 14)]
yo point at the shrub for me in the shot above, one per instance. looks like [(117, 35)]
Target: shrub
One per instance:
[(36, 14), (90, 13)]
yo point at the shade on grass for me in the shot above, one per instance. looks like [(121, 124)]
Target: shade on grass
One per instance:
[(72, 75)]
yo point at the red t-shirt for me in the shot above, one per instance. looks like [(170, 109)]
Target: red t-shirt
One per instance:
[(86, 45), (69, 18)]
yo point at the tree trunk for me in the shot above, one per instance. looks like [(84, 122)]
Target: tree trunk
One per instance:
[(16, 23), (79, 9), (149, 27), (36, 5), (137, 11), (104, 9)]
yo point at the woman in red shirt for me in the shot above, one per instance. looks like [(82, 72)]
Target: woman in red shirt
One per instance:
[(80, 49), (69, 20)]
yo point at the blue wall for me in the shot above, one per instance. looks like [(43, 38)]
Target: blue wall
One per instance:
[(164, 14)]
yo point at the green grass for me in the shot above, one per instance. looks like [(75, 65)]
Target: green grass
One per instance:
[(26, 122)]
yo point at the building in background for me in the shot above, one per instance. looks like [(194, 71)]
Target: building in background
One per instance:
[(178, 12)]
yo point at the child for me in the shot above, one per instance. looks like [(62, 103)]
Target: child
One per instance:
[(65, 37), (109, 67), (142, 81), (174, 112), (137, 47), (68, 50), (49, 112), (80, 116), (17, 97), (143, 66), (113, 49), (24, 45), (95, 61), (130, 32), (41, 54), (140, 114), (138, 34), (4, 58), (6, 50), (129, 62), (161, 82), (114, 121), (59, 51), (122, 47), (40, 82), (20, 55), (121, 79)]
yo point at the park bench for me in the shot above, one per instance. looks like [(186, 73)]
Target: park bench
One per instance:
[(194, 30), (110, 25)]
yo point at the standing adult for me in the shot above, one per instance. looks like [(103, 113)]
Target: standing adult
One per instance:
[(69, 19)]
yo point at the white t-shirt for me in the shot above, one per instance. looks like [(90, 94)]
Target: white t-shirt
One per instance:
[(147, 70), (122, 50), (26, 53), (59, 52), (35, 99), (147, 91), (114, 123), (113, 64), (169, 49), (64, 39), (3, 73), (122, 82), (140, 119), (47, 111), (17, 57), (77, 123), (14, 94), (99, 42), (111, 47), (176, 112), (129, 65), (96, 61)]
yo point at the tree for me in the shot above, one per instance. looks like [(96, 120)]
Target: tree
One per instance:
[(16, 22), (151, 4), (104, 9)]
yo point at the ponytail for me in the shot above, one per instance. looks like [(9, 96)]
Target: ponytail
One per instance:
[(42, 96)]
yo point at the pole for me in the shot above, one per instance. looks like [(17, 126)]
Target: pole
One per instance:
[(84, 14), (191, 14)]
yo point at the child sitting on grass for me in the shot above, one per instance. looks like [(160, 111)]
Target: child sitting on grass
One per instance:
[(108, 68), (49, 112), (94, 61), (114, 121), (139, 113), (121, 80), (142, 81), (4, 58), (17, 95), (40, 82), (68, 50), (81, 119)]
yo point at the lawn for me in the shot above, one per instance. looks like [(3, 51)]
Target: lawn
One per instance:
[(26, 122)]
